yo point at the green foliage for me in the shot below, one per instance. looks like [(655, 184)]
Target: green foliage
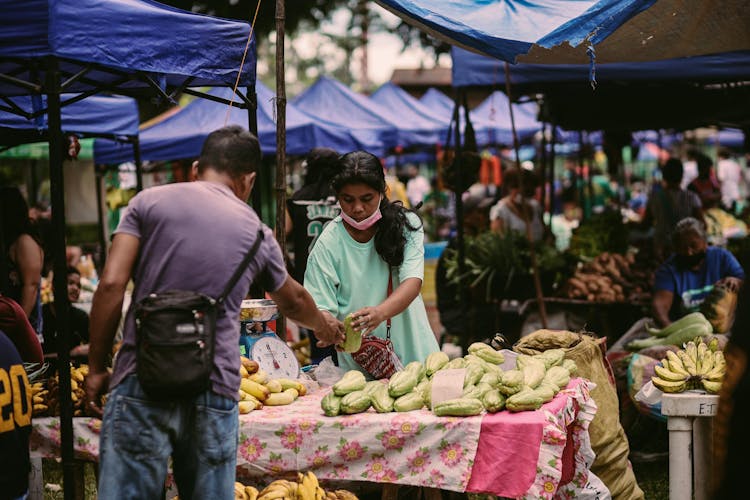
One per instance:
[(604, 232), (493, 260)]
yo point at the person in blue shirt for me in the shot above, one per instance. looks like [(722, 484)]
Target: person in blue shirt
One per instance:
[(684, 280)]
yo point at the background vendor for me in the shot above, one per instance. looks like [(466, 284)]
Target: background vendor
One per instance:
[(684, 280)]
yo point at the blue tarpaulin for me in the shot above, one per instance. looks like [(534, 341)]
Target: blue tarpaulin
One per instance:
[(182, 133), (507, 29), (166, 44), (93, 116), (562, 31)]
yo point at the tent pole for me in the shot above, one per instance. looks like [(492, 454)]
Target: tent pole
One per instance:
[(458, 190), (543, 158), (256, 198), (60, 277), (552, 171), (138, 164), (579, 176), (100, 216), (280, 144), (527, 222)]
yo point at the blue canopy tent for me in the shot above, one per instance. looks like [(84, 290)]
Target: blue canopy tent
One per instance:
[(437, 102), (733, 138), (182, 133), (412, 113), (377, 128), (51, 47), (492, 117)]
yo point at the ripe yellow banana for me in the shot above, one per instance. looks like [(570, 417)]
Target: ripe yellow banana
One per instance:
[(669, 385), (707, 361), (304, 488), (288, 383), (274, 385), (675, 364), (258, 391), (692, 351), (251, 493), (245, 407), (261, 376), (687, 362), (711, 386), (286, 397), (667, 374)]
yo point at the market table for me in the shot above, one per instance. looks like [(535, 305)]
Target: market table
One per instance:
[(536, 454)]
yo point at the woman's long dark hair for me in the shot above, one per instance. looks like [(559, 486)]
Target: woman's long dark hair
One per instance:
[(14, 216), (361, 167)]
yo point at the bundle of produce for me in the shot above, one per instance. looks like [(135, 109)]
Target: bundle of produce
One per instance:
[(492, 261), (257, 389), (301, 350), (486, 387), (697, 366), (604, 232), (718, 308), (46, 397), (721, 225), (305, 488), (683, 330), (610, 277)]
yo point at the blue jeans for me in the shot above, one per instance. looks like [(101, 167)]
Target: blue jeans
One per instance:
[(139, 435)]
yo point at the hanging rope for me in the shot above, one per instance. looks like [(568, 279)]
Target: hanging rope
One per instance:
[(242, 63)]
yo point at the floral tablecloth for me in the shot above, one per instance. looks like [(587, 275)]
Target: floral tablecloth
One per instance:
[(528, 455)]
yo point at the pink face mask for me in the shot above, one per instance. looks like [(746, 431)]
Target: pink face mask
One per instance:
[(364, 223)]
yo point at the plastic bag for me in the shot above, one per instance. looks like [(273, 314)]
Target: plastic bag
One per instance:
[(327, 373)]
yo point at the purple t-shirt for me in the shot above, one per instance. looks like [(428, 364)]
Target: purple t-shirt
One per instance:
[(192, 237)]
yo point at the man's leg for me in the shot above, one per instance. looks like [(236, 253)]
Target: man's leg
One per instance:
[(134, 444), (205, 454)]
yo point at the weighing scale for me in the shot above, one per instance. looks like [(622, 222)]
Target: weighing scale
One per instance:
[(265, 347)]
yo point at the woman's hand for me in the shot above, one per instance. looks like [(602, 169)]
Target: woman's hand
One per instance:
[(367, 319)]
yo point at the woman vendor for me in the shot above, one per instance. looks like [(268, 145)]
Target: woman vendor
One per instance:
[(684, 280), (369, 261)]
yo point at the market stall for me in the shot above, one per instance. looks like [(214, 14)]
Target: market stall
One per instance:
[(537, 454)]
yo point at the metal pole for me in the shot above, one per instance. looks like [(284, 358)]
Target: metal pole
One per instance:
[(458, 190), (543, 158), (138, 164), (280, 145), (60, 280), (527, 222), (252, 124), (100, 216), (552, 169)]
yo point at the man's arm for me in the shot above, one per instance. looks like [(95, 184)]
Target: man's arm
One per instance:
[(106, 311), (661, 304), (297, 304)]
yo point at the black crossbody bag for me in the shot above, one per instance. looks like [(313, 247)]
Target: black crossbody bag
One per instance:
[(175, 337)]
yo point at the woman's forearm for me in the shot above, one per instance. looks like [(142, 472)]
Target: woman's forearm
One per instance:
[(401, 297)]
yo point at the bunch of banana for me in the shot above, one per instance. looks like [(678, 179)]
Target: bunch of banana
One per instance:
[(697, 366), (39, 399), (306, 488), (301, 351), (257, 389)]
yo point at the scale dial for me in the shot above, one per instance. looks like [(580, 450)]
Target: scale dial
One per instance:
[(275, 357)]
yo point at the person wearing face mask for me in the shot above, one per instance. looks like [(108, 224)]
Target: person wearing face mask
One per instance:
[(369, 262), (508, 213), (684, 280)]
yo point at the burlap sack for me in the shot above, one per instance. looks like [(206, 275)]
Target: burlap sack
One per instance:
[(608, 438)]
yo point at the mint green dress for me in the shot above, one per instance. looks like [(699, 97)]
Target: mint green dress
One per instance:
[(344, 276)]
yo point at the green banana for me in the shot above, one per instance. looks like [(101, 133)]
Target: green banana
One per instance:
[(711, 386)]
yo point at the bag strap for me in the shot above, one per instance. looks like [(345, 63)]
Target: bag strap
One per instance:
[(241, 268), (390, 289)]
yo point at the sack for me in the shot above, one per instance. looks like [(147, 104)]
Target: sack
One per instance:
[(378, 357), (175, 334)]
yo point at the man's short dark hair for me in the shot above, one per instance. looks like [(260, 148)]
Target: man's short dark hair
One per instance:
[(232, 150), (672, 171), (73, 270)]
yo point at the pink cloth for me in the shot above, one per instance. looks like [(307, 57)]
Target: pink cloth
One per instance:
[(510, 445)]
